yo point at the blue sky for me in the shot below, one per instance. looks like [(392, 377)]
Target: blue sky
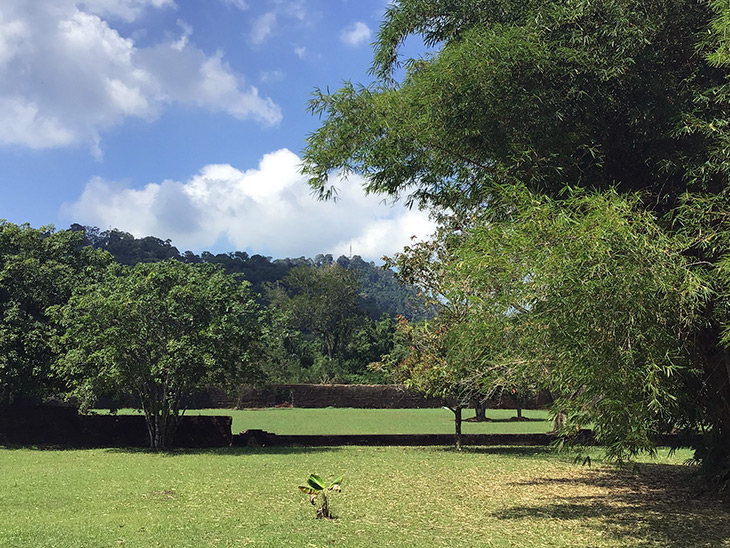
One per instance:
[(185, 119)]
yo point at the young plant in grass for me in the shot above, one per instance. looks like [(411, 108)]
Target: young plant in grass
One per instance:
[(316, 488)]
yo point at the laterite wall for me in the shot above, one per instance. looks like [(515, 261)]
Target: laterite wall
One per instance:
[(379, 396), (63, 426)]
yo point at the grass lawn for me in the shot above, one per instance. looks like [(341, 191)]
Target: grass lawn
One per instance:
[(376, 421), (399, 497)]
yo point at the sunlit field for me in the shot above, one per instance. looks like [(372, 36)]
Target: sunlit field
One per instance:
[(400, 497), (379, 421), (376, 421)]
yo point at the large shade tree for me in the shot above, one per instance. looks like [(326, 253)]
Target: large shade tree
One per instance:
[(522, 101), (159, 331), (39, 268)]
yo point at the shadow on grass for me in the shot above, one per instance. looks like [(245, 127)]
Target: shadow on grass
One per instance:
[(39, 447), (511, 419), (514, 450), (225, 451), (661, 505)]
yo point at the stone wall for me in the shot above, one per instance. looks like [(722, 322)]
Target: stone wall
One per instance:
[(364, 396), (261, 438), (64, 426)]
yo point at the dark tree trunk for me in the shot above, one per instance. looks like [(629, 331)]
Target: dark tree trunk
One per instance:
[(715, 398), (480, 411), (457, 426), (160, 418), (559, 421)]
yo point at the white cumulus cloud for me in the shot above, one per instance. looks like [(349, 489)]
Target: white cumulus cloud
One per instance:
[(355, 35), (279, 12), (66, 74), (126, 10), (267, 209), (262, 27)]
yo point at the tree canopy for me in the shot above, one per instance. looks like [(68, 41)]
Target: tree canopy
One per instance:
[(379, 293), (596, 94), (159, 330), (324, 334), (579, 152), (39, 268)]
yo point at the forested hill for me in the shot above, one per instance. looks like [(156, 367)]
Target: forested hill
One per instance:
[(380, 292)]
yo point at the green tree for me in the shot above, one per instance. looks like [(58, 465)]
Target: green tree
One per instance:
[(522, 103), (424, 359), (160, 330), (441, 357), (320, 300), (39, 268), (323, 333), (593, 291), (597, 94)]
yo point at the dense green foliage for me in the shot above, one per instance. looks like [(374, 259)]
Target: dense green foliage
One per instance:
[(581, 150), (593, 295), (322, 301), (380, 293), (590, 93), (340, 338), (159, 330), (323, 334), (104, 338), (39, 268)]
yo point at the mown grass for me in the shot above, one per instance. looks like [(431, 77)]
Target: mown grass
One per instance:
[(396, 497), (376, 421)]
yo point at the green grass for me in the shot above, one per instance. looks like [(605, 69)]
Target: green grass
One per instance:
[(375, 421), (392, 497)]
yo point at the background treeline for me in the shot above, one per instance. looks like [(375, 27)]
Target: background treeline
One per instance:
[(318, 320), (379, 291)]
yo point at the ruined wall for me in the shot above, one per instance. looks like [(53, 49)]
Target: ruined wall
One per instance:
[(64, 426), (364, 396)]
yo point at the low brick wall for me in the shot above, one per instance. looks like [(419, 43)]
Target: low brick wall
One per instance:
[(63, 426), (261, 438), (363, 396)]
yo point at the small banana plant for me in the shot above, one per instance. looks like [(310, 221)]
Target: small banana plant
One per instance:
[(316, 488)]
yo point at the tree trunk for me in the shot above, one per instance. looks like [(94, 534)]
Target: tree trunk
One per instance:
[(559, 421), (160, 419), (457, 427), (328, 345), (714, 449), (480, 411)]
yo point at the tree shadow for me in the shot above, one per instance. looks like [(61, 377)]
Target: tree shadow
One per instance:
[(224, 451), (38, 447), (510, 419), (660, 505), (515, 450)]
